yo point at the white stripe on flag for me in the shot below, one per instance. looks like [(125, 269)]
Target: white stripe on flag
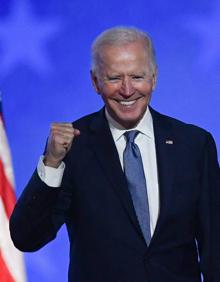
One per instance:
[(5, 155), (12, 257)]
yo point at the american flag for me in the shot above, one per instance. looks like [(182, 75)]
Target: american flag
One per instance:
[(11, 261)]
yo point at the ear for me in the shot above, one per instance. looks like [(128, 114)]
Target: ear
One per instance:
[(154, 79), (94, 79)]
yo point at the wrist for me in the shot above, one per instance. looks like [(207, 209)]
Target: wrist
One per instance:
[(51, 162)]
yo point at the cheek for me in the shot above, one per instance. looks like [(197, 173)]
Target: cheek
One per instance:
[(146, 91), (109, 91)]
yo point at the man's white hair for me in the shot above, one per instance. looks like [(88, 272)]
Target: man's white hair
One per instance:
[(119, 36)]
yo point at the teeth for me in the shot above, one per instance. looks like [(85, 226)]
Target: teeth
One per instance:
[(127, 103)]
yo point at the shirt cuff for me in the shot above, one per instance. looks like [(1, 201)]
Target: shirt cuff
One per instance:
[(50, 175)]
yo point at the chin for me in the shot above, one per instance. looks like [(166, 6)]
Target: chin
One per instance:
[(128, 123), (131, 121)]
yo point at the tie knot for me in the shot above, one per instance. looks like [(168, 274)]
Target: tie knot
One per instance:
[(131, 135)]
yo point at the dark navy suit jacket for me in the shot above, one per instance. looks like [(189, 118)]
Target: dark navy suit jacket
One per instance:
[(106, 243)]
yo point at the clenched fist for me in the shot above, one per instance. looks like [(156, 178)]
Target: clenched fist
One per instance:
[(59, 143)]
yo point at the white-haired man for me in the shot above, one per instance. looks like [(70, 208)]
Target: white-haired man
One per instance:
[(138, 191)]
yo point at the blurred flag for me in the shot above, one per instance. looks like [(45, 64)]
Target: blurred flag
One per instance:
[(11, 261)]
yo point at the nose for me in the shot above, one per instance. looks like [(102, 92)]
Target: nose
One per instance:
[(127, 88)]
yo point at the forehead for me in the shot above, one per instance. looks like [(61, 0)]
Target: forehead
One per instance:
[(129, 56)]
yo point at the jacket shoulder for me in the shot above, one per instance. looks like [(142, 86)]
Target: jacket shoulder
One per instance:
[(84, 122), (179, 125), (187, 134)]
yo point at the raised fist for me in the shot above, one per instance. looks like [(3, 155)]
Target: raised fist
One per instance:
[(59, 143)]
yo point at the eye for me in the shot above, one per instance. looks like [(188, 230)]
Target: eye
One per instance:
[(113, 78), (138, 77)]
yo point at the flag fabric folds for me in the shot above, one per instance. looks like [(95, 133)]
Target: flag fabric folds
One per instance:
[(11, 260)]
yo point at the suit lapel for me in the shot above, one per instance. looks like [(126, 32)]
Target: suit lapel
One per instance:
[(165, 152), (105, 150)]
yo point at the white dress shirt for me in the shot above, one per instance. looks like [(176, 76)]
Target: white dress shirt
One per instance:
[(146, 143), (50, 175)]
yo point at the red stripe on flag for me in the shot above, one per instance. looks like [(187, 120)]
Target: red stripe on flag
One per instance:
[(10, 258), (4, 273), (6, 192)]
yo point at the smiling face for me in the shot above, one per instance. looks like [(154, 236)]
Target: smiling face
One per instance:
[(125, 81)]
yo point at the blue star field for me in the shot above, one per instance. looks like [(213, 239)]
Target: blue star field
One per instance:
[(44, 77)]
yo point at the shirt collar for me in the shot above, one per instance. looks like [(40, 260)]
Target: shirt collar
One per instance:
[(145, 125)]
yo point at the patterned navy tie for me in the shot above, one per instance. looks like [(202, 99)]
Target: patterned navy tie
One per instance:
[(134, 172)]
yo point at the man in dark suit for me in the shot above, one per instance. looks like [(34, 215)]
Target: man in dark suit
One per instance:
[(138, 191)]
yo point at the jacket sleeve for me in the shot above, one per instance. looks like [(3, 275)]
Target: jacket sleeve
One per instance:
[(208, 226), (38, 214)]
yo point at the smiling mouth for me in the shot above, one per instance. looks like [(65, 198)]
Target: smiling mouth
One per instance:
[(126, 103)]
